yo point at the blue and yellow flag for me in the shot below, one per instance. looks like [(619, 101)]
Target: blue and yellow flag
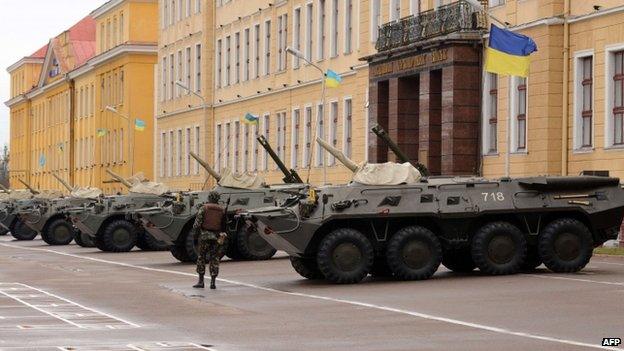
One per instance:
[(332, 79), (101, 132), (251, 119), (60, 148), (139, 125), (42, 160), (508, 52)]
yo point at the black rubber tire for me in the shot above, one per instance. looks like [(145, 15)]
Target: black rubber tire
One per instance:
[(58, 233), (146, 242), (22, 232), (348, 248), (458, 260), (231, 249), (565, 245), (251, 246), (306, 267), (4, 232), (532, 260), (118, 236), (504, 256), (82, 239), (190, 246), (414, 253), (180, 254)]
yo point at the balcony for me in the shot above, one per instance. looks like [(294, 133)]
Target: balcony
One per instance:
[(459, 16)]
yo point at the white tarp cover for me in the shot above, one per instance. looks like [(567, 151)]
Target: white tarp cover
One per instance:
[(84, 193), (241, 181), (151, 188), (21, 194), (389, 173), (49, 194), (4, 196)]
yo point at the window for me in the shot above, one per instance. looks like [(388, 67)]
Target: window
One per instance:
[(490, 114), (307, 136), (618, 98), (296, 42), (282, 38), (165, 15), (180, 9), (171, 75), (334, 29), (254, 147), (236, 58), (114, 39), (179, 152), (236, 159), (198, 6), (320, 133), (395, 10), (266, 123), (348, 128), (121, 145), (333, 130), (308, 34), (227, 61), (585, 100), (219, 63), (163, 154), (198, 68), (197, 142), (163, 93), (246, 57), (496, 2), (320, 51), (257, 50), (228, 138), (173, 12), (267, 47), (348, 26), (187, 69), (171, 154), (188, 8), (519, 122), (281, 135), (414, 7), (245, 147), (180, 74), (294, 152), (219, 147)]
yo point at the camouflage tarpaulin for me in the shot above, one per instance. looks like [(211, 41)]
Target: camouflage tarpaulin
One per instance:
[(389, 173), (240, 181)]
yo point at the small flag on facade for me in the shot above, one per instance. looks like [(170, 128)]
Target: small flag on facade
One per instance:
[(42, 160), (332, 79), (101, 132), (251, 119), (508, 52), (139, 125), (60, 148)]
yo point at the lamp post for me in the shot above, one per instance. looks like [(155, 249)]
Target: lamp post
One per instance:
[(130, 133), (184, 87), (301, 56)]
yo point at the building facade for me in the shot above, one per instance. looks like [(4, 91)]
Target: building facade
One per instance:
[(74, 111)]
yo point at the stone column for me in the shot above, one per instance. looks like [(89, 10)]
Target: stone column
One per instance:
[(429, 121), (403, 115), (378, 105)]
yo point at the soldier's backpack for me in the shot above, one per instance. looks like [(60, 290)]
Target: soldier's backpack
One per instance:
[(213, 218)]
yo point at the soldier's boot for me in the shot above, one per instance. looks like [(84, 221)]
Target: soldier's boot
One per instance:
[(213, 279), (200, 282)]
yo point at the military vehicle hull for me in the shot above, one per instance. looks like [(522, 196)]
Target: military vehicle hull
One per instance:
[(10, 220), (407, 230)]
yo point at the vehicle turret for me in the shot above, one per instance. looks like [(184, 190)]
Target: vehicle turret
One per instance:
[(383, 135), (206, 166), (290, 175)]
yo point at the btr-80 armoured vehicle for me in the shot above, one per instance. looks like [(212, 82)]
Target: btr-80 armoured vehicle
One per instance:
[(11, 202), (390, 220), (105, 219), (173, 219), (47, 216)]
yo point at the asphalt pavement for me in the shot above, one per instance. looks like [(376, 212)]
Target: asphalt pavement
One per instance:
[(72, 298)]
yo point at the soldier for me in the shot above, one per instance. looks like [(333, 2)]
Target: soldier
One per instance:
[(209, 231)]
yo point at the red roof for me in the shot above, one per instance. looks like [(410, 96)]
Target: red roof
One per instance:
[(82, 40), (41, 53)]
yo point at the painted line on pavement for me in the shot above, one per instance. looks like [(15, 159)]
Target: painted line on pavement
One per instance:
[(342, 301), (575, 279), (605, 262)]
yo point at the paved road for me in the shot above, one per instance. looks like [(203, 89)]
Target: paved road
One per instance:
[(71, 298)]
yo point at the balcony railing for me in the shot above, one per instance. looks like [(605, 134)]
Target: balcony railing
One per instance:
[(455, 17)]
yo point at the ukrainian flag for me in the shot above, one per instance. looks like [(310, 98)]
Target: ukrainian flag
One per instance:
[(42, 160), (101, 132), (139, 125), (332, 79), (251, 119), (508, 53)]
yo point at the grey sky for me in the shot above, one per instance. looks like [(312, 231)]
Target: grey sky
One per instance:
[(27, 25)]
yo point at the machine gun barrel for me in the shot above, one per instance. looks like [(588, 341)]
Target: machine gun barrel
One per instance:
[(62, 181), (30, 188), (290, 175), (339, 155), (206, 166), (383, 135), (119, 178)]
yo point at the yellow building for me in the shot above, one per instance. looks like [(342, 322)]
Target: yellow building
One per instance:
[(78, 116)]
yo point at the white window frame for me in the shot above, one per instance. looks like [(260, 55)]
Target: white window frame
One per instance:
[(254, 147), (266, 47), (348, 26), (236, 147), (188, 68), (334, 38), (198, 68), (187, 159), (577, 125), (394, 10), (266, 131), (309, 41), (296, 40), (334, 111), (375, 19), (609, 94), (513, 112), (237, 56), (197, 143), (228, 58), (219, 63), (256, 45), (246, 52), (307, 135), (281, 135), (486, 113), (321, 26), (179, 146), (245, 158), (319, 155), (170, 153), (414, 7), (218, 141), (347, 151)]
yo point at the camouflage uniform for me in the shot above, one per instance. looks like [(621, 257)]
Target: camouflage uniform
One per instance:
[(208, 244)]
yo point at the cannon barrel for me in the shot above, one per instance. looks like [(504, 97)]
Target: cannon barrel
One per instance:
[(62, 181), (30, 188), (339, 155), (119, 178), (5, 188), (383, 135), (290, 175), (206, 166)]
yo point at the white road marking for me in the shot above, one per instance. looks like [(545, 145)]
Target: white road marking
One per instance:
[(343, 301), (605, 262), (576, 279), (41, 310)]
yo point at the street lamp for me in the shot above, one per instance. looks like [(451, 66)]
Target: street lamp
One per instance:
[(301, 56), (130, 132), (183, 86)]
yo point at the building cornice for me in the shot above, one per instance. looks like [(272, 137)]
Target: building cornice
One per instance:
[(110, 6), (600, 13), (16, 100), (24, 61), (179, 112), (550, 21), (121, 50), (38, 91)]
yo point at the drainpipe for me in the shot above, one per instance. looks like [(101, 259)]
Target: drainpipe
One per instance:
[(566, 88)]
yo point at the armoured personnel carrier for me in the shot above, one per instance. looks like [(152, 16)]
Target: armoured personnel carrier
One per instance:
[(105, 219), (47, 215), (391, 220), (173, 219), (12, 201)]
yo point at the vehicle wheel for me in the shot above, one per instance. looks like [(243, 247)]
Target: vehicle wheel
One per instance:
[(251, 246), (231, 249), (118, 236), (4, 232), (565, 245), (22, 232), (57, 233), (306, 267), (191, 247), (532, 260), (146, 242), (180, 254), (499, 248), (414, 253), (345, 256), (82, 239), (458, 260)]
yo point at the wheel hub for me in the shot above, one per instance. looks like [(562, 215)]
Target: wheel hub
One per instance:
[(62, 233), (501, 249), (347, 257), (416, 254), (568, 246), (121, 237)]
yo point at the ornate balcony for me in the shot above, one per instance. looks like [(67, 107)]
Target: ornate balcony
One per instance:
[(459, 16)]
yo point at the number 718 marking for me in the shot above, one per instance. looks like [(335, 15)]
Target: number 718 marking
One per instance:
[(493, 196)]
